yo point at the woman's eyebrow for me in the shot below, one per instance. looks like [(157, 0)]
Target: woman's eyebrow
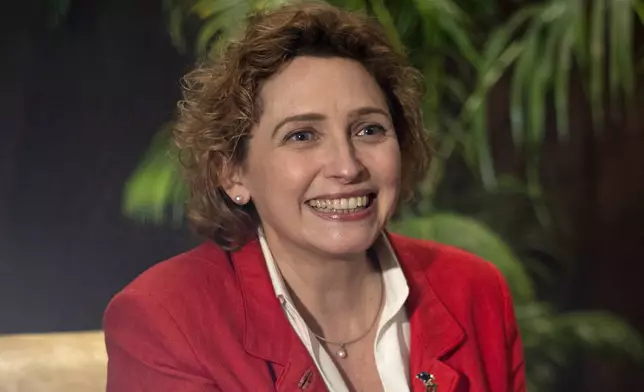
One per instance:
[(298, 117), (368, 110)]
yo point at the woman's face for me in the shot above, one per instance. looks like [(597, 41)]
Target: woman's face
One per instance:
[(323, 164)]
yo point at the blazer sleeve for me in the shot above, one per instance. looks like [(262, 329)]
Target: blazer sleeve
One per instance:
[(514, 346), (147, 350)]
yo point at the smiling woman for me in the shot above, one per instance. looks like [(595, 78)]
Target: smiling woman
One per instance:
[(325, 136), (298, 144)]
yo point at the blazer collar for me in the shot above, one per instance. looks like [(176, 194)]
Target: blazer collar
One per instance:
[(435, 334), (268, 334)]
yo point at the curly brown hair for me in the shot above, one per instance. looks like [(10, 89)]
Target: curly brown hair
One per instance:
[(220, 104)]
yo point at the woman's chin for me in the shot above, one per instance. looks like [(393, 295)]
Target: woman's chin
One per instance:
[(346, 245)]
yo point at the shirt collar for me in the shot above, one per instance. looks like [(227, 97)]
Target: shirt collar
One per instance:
[(273, 271), (395, 283)]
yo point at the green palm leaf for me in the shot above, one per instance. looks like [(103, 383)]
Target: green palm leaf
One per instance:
[(552, 341), (638, 5), (222, 21), (175, 28), (405, 16), (58, 10), (474, 111), (562, 83), (156, 185), (452, 21), (384, 17), (597, 63), (559, 35), (206, 9), (602, 333), (621, 48)]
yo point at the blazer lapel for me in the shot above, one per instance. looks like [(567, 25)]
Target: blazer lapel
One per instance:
[(435, 334), (268, 335)]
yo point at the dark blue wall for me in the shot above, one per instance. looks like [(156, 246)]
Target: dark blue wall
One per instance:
[(78, 107)]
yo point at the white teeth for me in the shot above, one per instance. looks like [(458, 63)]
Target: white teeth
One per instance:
[(345, 204)]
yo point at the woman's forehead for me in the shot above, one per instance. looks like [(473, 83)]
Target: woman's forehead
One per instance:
[(320, 84)]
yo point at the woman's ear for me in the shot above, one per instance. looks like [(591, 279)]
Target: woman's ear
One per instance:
[(233, 183)]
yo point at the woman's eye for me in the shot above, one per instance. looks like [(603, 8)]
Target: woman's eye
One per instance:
[(371, 130), (301, 136)]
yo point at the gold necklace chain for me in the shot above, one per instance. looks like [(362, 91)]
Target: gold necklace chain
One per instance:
[(342, 351)]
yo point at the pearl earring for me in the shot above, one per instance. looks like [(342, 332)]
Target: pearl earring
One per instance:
[(238, 199)]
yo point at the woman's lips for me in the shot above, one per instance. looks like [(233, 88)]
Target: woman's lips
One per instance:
[(345, 212)]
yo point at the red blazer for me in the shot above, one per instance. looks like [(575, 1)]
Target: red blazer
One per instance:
[(208, 320)]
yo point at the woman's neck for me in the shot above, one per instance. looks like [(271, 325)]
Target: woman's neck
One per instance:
[(337, 296)]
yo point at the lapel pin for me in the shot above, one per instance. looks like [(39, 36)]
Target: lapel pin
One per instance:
[(428, 380)]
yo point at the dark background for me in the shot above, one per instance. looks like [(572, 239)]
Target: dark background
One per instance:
[(78, 108)]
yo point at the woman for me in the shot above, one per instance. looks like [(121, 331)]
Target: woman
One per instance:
[(298, 144)]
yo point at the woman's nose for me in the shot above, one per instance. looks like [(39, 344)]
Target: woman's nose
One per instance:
[(343, 162)]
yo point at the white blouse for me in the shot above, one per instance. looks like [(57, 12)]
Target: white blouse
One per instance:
[(391, 348)]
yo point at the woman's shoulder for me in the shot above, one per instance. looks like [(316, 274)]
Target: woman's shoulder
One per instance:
[(437, 258), (166, 314), (446, 267), (471, 288), (191, 272)]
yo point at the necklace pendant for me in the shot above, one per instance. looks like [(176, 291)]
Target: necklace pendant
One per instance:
[(342, 352)]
